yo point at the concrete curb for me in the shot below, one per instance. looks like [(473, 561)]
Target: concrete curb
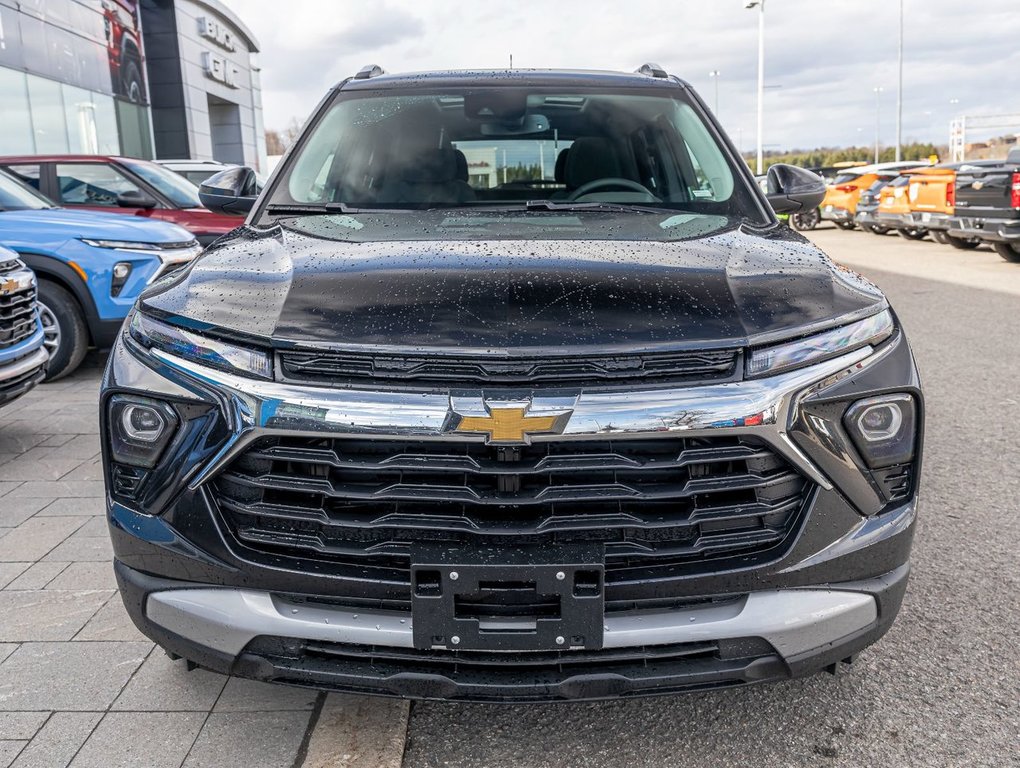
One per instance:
[(358, 732)]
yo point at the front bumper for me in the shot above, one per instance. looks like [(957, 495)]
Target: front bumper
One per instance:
[(758, 637), (832, 588), (988, 230), (19, 375)]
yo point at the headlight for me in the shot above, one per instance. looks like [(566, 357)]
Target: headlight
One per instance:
[(123, 245), (822, 346), (200, 349), (167, 252)]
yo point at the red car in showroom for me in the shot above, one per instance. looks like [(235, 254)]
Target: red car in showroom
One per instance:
[(120, 185)]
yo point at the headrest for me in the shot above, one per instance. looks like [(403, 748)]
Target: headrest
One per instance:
[(430, 166), (560, 173), (590, 158), (462, 166)]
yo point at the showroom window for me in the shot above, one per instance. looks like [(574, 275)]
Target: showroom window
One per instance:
[(16, 136), (48, 121), (91, 184)]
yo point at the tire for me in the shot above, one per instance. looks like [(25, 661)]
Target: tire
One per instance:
[(67, 336), (875, 229), (961, 244), (1008, 252), (912, 234), (847, 225), (132, 83), (805, 221), (940, 237)]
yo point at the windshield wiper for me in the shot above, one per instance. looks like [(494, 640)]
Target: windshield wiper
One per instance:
[(283, 208), (552, 205)]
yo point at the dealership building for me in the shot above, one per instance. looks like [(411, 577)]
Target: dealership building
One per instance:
[(155, 78)]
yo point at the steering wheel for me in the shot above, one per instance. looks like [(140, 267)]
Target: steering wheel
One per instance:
[(609, 182)]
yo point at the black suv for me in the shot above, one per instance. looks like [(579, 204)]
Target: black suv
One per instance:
[(511, 388)]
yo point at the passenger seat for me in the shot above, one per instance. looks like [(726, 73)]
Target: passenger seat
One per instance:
[(430, 176)]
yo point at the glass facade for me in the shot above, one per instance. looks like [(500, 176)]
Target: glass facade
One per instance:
[(71, 78)]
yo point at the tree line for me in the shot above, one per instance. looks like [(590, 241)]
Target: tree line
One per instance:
[(829, 156)]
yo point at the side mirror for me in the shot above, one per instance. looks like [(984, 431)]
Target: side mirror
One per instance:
[(136, 198), (790, 189), (232, 191)]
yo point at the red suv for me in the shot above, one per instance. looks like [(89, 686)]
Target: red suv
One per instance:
[(120, 185)]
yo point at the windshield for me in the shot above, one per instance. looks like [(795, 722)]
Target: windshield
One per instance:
[(15, 196), (499, 148), (181, 192)]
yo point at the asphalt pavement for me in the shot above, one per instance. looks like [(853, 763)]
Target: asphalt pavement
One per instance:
[(943, 687)]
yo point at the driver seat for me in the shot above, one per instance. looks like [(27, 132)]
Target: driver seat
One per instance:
[(590, 158)]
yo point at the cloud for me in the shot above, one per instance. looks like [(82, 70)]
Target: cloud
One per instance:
[(827, 56), (387, 26)]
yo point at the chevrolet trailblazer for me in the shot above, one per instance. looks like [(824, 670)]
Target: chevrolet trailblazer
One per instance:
[(512, 388)]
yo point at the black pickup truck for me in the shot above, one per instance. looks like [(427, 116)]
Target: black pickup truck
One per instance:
[(988, 206)]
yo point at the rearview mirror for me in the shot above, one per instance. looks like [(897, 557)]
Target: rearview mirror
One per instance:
[(232, 191), (136, 198), (790, 189), (527, 125)]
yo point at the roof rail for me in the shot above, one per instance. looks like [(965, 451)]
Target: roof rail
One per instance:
[(369, 70), (652, 70)]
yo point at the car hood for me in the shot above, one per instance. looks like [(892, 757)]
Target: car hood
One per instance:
[(730, 289), (63, 224)]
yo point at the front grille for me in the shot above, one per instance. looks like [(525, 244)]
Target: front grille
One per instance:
[(653, 505), (350, 368), (17, 310)]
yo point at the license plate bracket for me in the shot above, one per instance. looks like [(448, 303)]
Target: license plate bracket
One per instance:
[(479, 603)]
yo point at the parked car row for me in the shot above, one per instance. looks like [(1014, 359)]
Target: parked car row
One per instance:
[(80, 237), (960, 204)]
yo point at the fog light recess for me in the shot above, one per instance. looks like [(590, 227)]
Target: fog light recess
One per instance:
[(883, 428), (140, 429)]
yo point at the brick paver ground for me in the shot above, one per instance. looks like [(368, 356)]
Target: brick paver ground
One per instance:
[(79, 685)]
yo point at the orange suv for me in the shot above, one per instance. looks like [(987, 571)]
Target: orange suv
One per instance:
[(894, 208), (933, 200), (840, 203)]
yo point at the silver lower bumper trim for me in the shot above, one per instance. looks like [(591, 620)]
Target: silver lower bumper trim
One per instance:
[(794, 621), (36, 359)]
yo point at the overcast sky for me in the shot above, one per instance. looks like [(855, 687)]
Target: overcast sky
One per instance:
[(827, 56)]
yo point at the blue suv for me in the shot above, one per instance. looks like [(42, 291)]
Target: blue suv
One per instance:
[(90, 266), (22, 354)]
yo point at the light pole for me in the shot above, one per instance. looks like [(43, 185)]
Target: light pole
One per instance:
[(714, 74), (878, 117), (899, 93), (760, 5)]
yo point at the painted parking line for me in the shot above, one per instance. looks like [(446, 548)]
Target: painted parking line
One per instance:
[(357, 732)]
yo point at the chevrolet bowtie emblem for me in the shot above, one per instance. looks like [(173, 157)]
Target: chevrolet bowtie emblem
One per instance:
[(512, 424), (8, 286)]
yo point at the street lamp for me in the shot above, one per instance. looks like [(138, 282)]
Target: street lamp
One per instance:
[(878, 117), (760, 5), (899, 93), (714, 74)]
